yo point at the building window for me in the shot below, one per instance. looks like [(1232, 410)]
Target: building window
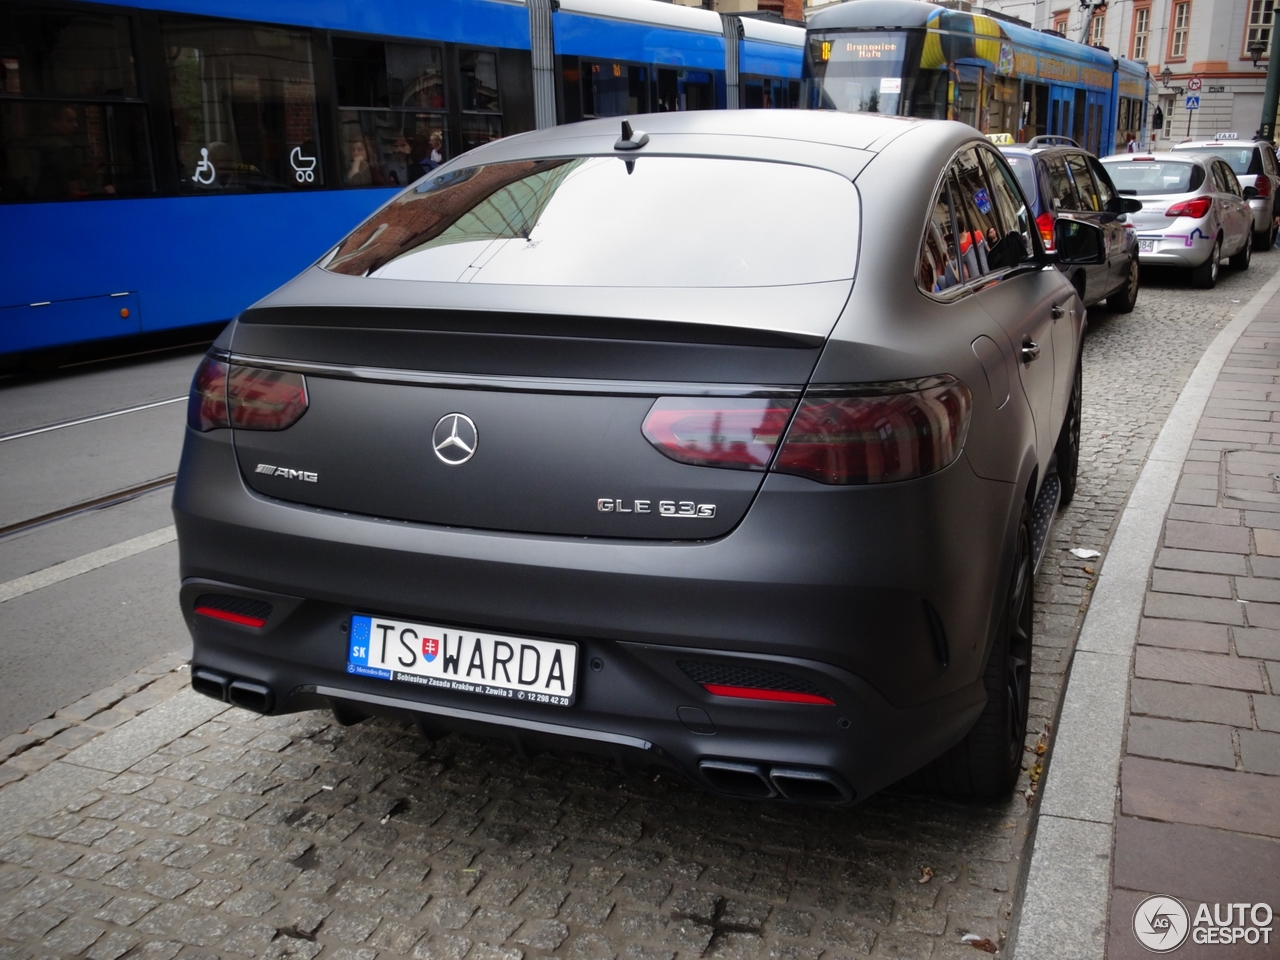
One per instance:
[(72, 126), (1178, 34), (1141, 30), (393, 124), (1098, 30), (244, 106), (1060, 22), (1260, 13)]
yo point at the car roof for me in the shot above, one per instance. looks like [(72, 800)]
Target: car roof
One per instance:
[(1195, 144), (1187, 156)]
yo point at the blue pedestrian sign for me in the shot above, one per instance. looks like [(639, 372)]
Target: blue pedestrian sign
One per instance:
[(1193, 103)]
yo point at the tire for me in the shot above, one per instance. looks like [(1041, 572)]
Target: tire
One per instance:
[(986, 763), (1068, 446), (1240, 261), (1124, 299), (1206, 275), (1266, 239)]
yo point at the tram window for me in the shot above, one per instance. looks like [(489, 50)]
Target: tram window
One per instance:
[(244, 113), (479, 91), (389, 148), (67, 130), (60, 150), (614, 89), (65, 54), (1085, 187), (392, 123)]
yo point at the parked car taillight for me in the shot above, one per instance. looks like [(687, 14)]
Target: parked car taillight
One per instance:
[(1263, 185), (247, 398), (737, 433), (1196, 208), (1045, 224), (207, 406), (877, 433)]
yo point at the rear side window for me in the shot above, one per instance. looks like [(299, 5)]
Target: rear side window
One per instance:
[(939, 265), (1149, 178), (614, 222), (1086, 189), (1015, 245), (1062, 193)]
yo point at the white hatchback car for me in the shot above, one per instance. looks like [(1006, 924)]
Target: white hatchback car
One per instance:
[(1194, 211)]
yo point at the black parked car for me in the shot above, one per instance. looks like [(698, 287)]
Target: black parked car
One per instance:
[(731, 446), (1062, 179)]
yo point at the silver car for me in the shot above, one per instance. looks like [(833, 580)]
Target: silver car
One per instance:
[(1194, 211), (1254, 163)]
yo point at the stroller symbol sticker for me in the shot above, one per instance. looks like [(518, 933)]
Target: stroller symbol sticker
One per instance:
[(304, 168), (205, 174)]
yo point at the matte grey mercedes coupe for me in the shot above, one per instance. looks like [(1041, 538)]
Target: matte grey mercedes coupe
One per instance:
[(729, 445)]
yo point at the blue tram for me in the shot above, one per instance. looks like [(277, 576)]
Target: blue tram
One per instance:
[(917, 59), (166, 163)]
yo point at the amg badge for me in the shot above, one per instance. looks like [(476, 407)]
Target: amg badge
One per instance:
[(273, 471), (666, 508)]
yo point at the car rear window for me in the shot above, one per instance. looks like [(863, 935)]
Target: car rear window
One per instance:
[(1153, 177), (1025, 169), (1240, 159), (615, 222)]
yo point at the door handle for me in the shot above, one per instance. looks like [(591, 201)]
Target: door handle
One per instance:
[(1030, 351), (1059, 311)]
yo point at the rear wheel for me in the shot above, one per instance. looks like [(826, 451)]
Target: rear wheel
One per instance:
[(1206, 275), (1240, 261), (1266, 239), (985, 764), (1123, 300)]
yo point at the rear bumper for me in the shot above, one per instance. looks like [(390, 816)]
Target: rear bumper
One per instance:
[(861, 591), (1177, 248)]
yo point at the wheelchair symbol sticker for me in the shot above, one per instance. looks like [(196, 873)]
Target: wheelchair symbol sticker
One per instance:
[(303, 167), (205, 174)]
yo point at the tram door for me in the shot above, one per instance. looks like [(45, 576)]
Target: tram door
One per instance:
[(1096, 125), (1060, 104)]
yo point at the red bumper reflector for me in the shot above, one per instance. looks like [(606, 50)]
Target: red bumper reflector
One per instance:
[(230, 617), (755, 693)]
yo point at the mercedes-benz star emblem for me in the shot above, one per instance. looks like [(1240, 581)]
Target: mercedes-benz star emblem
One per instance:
[(454, 439)]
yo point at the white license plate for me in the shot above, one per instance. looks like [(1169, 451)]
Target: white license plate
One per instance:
[(1146, 246), (517, 668)]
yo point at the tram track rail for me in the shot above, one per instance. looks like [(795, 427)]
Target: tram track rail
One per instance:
[(85, 506)]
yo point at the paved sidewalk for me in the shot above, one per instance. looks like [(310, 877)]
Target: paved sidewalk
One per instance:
[(1199, 807)]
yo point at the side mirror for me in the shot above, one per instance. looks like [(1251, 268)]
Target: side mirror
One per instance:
[(1129, 205), (1078, 242), (1250, 192)]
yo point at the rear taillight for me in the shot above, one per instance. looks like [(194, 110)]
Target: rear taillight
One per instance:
[(247, 398), (736, 433), (1045, 224), (877, 433), (1263, 186), (207, 407), (1195, 208), (265, 399)]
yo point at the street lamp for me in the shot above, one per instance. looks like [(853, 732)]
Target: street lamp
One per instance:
[(1256, 49), (1166, 75)]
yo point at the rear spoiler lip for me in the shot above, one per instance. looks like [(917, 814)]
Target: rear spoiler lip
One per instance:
[(532, 324), (516, 384)]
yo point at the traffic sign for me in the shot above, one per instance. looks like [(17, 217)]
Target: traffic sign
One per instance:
[(1193, 83), (1193, 103)]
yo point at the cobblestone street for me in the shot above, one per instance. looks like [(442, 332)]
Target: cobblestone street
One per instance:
[(151, 822)]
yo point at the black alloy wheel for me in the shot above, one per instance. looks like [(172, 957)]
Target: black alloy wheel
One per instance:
[(1206, 275), (1124, 299), (1240, 260), (1068, 446), (986, 763)]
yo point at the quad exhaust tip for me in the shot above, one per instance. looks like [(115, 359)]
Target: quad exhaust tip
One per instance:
[(249, 694), (763, 782)]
